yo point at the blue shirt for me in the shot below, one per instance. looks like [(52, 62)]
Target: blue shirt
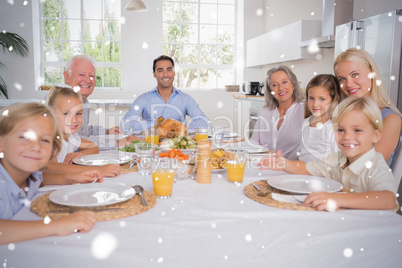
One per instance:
[(12, 197), (149, 106)]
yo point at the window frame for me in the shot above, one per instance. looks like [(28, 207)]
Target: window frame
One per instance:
[(99, 65), (218, 67)]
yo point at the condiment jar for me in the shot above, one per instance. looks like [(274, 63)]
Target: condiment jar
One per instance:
[(203, 161)]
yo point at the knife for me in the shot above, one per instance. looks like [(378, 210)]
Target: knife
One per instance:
[(74, 210)]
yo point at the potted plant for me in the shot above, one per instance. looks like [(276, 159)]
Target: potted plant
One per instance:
[(14, 44)]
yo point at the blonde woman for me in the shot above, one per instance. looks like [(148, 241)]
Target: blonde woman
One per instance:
[(280, 121), (358, 76)]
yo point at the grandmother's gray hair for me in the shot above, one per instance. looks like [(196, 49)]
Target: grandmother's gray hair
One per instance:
[(270, 101), (78, 57)]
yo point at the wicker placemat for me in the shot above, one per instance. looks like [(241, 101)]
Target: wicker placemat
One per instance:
[(251, 193), (133, 206), (123, 168)]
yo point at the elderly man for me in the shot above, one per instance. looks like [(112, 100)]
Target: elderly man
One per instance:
[(164, 100), (80, 72)]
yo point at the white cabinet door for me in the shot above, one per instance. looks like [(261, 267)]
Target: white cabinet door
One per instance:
[(269, 47), (253, 52)]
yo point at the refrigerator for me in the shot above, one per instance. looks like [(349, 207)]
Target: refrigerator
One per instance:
[(381, 36)]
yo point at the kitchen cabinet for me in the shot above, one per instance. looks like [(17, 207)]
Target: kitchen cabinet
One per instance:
[(282, 44)]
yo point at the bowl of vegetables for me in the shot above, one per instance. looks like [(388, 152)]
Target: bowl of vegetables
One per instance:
[(186, 144)]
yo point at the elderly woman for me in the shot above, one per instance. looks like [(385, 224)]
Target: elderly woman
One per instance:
[(280, 120), (359, 76)]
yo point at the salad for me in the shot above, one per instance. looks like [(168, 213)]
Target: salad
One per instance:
[(179, 142), (131, 147)]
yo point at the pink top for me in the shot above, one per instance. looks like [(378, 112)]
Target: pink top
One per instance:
[(287, 137)]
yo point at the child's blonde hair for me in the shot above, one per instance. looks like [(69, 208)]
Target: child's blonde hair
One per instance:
[(64, 91), (330, 83), (377, 92), (17, 112), (365, 105)]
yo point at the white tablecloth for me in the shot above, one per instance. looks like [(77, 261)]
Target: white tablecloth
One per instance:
[(216, 225)]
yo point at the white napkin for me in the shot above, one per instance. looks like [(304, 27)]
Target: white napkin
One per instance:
[(295, 199)]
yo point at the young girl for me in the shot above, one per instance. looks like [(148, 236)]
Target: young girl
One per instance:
[(67, 107), (28, 139), (359, 76), (318, 139), (358, 127)]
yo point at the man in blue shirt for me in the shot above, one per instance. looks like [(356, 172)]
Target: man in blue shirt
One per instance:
[(164, 100)]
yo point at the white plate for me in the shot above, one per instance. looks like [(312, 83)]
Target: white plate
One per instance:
[(304, 184), (104, 159), (91, 195), (255, 149)]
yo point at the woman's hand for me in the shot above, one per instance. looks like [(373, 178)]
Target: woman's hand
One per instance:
[(273, 162)]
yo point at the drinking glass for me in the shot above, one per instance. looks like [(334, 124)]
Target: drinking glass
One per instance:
[(152, 136), (235, 164), (201, 133), (145, 156), (162, 181), (218, 134)]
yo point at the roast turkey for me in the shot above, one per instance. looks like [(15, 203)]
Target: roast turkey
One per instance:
[(169, 128)]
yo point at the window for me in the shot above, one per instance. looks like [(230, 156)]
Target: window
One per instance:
[(200, 36), (71, 27)]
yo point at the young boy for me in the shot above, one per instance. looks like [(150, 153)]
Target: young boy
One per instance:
[(358, 126)]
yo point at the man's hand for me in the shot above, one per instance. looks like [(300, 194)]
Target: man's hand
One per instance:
[(126, 141), (114, 130)]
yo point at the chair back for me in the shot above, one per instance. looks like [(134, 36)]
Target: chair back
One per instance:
[(396, 165)]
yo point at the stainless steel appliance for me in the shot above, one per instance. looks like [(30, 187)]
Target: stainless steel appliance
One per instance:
[(251, 88), (254, 109), (381, 36)]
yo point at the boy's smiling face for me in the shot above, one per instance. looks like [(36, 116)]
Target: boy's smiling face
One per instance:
[(355, 135)]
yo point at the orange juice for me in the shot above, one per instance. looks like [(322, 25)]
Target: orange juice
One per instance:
[(201, 136), (235, 170), (152, 139), (162, 180)]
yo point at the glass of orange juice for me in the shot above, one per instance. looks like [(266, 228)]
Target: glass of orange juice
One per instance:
[(235, 164), (152, 136), (162, 180), (201, 133)]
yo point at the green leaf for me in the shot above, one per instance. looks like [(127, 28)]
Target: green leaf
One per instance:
[(15, 41), (3, 88)]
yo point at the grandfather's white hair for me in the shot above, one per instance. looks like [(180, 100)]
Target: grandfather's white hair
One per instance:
[(79, 57)]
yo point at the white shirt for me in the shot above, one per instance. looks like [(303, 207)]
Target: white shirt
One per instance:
[(317, 142), (73, 143), (368, 173), (287, 137)]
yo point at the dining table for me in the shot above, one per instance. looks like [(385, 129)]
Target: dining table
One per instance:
[(217, 225)]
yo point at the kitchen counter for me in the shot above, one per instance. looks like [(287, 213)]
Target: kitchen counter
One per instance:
[(249, 97)]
